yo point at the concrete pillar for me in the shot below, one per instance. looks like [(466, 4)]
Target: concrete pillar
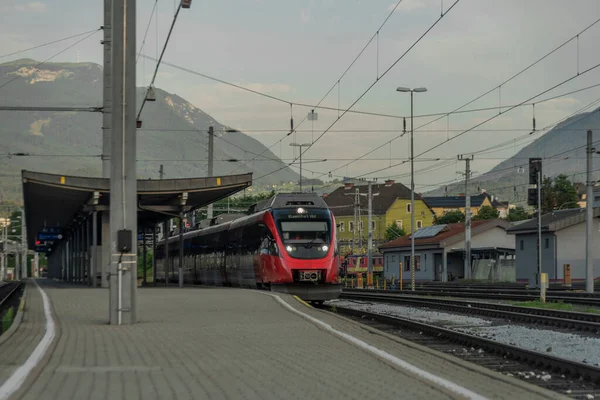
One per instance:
[(144, 253), (95, 257), (154, 254), (123, 180), (105, 249)]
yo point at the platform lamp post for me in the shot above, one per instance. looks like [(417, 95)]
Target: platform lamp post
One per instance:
[(412, 185), (301, 145)]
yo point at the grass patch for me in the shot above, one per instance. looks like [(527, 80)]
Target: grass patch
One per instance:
[(556, 305)]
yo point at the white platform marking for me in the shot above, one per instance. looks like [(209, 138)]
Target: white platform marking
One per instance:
[(453, 387), (12, 384)]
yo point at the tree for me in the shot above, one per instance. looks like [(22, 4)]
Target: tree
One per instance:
[(450, 217), (558, 193), (517, 214), (486, 212), (393, 231)]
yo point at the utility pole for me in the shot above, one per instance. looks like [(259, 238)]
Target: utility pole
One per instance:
[(467, 267), (3, 255), (370, 238), (123, 180), (211, 156), (301, 145), (106, 137), (589, 220), (534, 198), (161, 172)]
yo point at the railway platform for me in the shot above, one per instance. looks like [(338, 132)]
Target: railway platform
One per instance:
[(221, 343)]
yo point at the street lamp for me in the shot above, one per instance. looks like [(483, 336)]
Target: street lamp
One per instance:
[(412, 185), (301, 145)]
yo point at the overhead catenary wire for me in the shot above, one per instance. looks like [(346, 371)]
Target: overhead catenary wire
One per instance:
[(338, 81), (370, 86), (497, 87), (53, 56), (147, 29), (485, 121), (162, 53), (48, 43), (566, 127)]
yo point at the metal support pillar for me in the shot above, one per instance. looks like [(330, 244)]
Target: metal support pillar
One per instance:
[(35, 267), (95, 257), (211, 156), (105, 249), (107, 89), (589, 220), (181, 249), (539, 228), (467, 266), (370, 238), (167, 261), (154, 255), (144, 252), (17, 270), (88, 250), (123, 182)]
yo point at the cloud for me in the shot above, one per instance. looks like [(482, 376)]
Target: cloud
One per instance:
[(408, 5), (36, 7)]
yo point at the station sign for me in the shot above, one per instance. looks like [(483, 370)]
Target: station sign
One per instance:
[(43, 249), (50, 234)]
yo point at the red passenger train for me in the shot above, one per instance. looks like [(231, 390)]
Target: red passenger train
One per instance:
[(287, 244)]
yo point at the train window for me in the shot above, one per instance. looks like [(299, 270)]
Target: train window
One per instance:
[(305, 230)]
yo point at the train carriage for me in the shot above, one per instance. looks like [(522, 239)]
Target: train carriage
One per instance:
[(287, 244)]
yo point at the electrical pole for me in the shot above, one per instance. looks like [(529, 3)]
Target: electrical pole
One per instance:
[(467, 267), (589, 220), (369, 238), (211, 156), (106, 136), (356, 206), (123, 180), (539, 200), (161, 172)]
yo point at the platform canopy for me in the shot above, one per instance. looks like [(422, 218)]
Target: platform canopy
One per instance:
[(56, 202)]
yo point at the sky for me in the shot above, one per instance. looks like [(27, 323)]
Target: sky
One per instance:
[(297, 51)]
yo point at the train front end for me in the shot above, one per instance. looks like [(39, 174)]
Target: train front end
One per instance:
[(308, 249)]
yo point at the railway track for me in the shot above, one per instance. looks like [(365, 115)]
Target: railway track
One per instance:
[(570, 378), (577, 298), (540, 316)]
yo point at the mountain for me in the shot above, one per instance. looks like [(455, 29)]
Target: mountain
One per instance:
[(508, 180), (71, 142)]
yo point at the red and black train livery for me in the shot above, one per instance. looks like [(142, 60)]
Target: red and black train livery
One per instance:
[(287, 244)]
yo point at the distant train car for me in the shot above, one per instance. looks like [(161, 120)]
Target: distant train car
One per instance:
[(358, 264), (287, 244)]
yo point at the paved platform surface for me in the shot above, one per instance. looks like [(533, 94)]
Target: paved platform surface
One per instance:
[(217, 343)]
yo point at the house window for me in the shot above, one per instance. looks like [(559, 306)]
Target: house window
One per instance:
[(547, 243), (341, 227), (408, 208), (399, 223), (417, 263), (360, 227), (522, 245), (419, 224), (372, 225), (351, 226)]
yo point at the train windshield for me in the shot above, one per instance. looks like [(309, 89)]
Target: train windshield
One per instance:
[(314, 232), (306, 238)]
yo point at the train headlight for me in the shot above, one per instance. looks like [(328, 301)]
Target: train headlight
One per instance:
[(325, 248), (289, 248), (300, 210)]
